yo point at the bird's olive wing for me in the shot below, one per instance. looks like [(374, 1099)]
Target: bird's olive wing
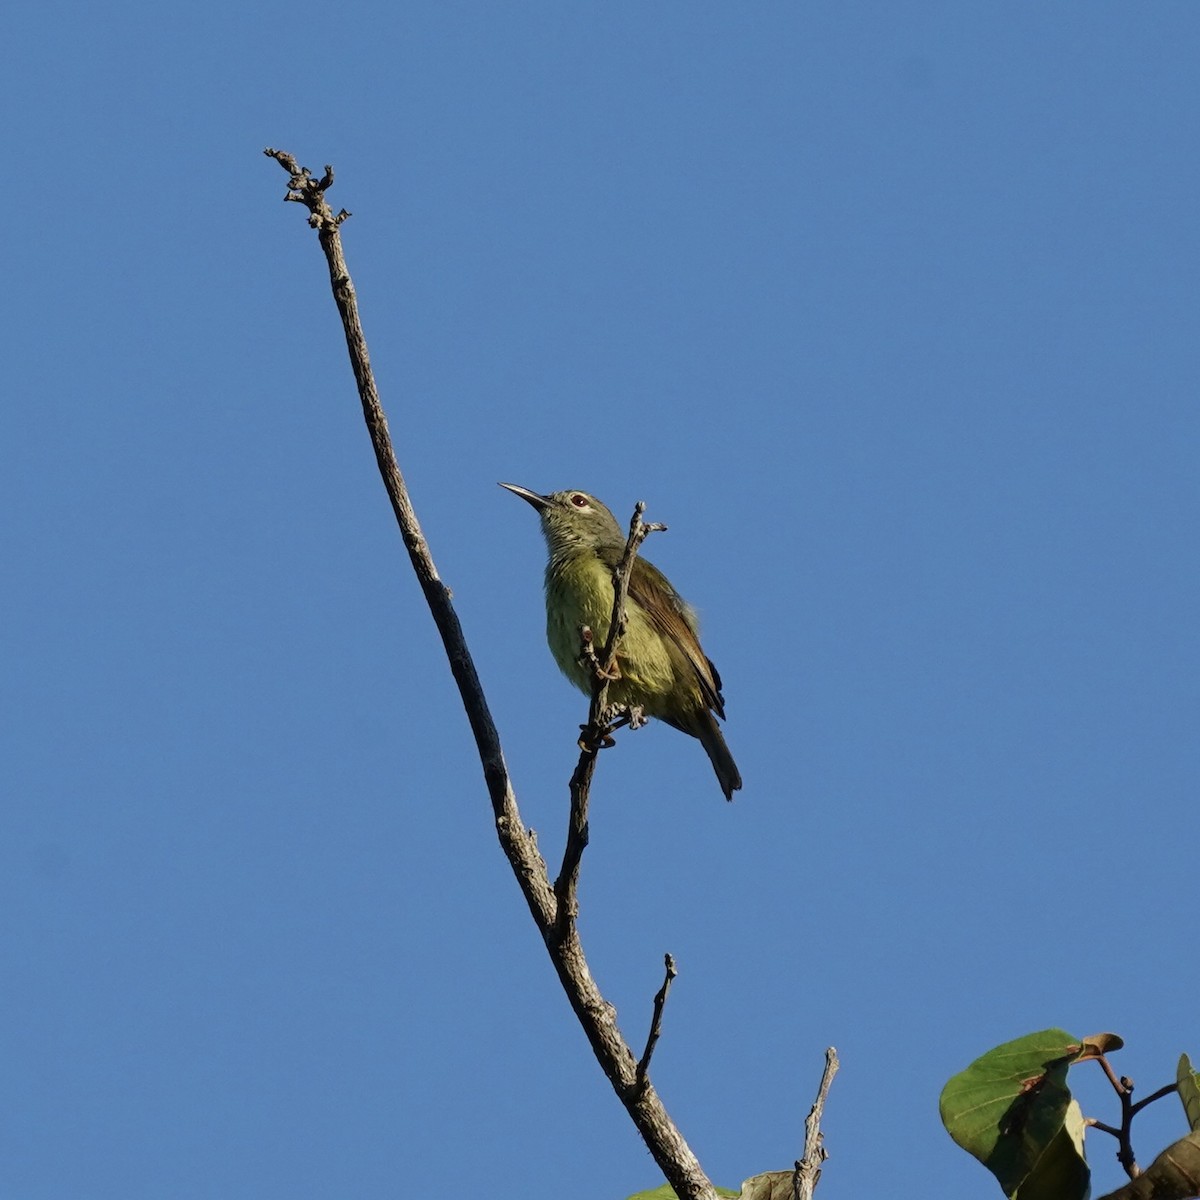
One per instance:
[(670, 614)]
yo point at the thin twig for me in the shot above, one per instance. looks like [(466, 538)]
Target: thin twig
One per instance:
[(1118, 1085), (663, 1139), (522, 854), (1168, 1090), (808, 1168), (1123, 1086), (596, 732), (660, 1002)]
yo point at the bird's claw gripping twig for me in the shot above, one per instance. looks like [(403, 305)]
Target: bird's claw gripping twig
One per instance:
[(591, 660), (612, 718), (615, 716), (591, 738)]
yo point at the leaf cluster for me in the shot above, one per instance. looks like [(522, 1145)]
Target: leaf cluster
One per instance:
[(1013, 1110)]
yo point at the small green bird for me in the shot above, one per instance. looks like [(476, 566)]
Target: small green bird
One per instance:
[(663, 670)]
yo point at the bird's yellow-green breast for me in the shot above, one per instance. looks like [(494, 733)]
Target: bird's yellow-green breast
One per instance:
[(579, 591)]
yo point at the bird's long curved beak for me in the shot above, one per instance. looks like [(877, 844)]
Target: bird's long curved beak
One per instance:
[(538, 501)]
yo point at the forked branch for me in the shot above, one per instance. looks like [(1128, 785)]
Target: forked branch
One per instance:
[(596, 1016), (1123, 1086)]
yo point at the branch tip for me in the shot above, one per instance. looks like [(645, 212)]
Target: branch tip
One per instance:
[(660, 1002), (808, 1168)]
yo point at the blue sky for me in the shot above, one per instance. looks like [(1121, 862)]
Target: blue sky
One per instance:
[(889, 312)]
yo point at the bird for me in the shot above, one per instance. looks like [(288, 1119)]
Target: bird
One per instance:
[(662, 669)]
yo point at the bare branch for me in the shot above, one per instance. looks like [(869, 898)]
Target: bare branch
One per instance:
[(660, 1002), (595, 1015), (808, 1169)]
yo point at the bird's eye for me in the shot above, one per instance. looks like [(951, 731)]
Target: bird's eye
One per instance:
[(579, 501)]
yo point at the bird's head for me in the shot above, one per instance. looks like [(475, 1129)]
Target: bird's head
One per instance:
[(572, 520)]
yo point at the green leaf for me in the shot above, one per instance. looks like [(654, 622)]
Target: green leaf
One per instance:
[(1062, 1171), (1188, 1082), (1173, 1175), (1009, 1107)]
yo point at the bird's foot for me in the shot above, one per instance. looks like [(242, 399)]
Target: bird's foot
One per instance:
[(611, 674), (596, 738), (614, 717), (590, 660)]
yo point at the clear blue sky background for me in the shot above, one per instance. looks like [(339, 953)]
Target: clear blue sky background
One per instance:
[(889, 311)]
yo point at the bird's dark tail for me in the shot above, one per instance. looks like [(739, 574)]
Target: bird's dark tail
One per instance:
[(710, 737)]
